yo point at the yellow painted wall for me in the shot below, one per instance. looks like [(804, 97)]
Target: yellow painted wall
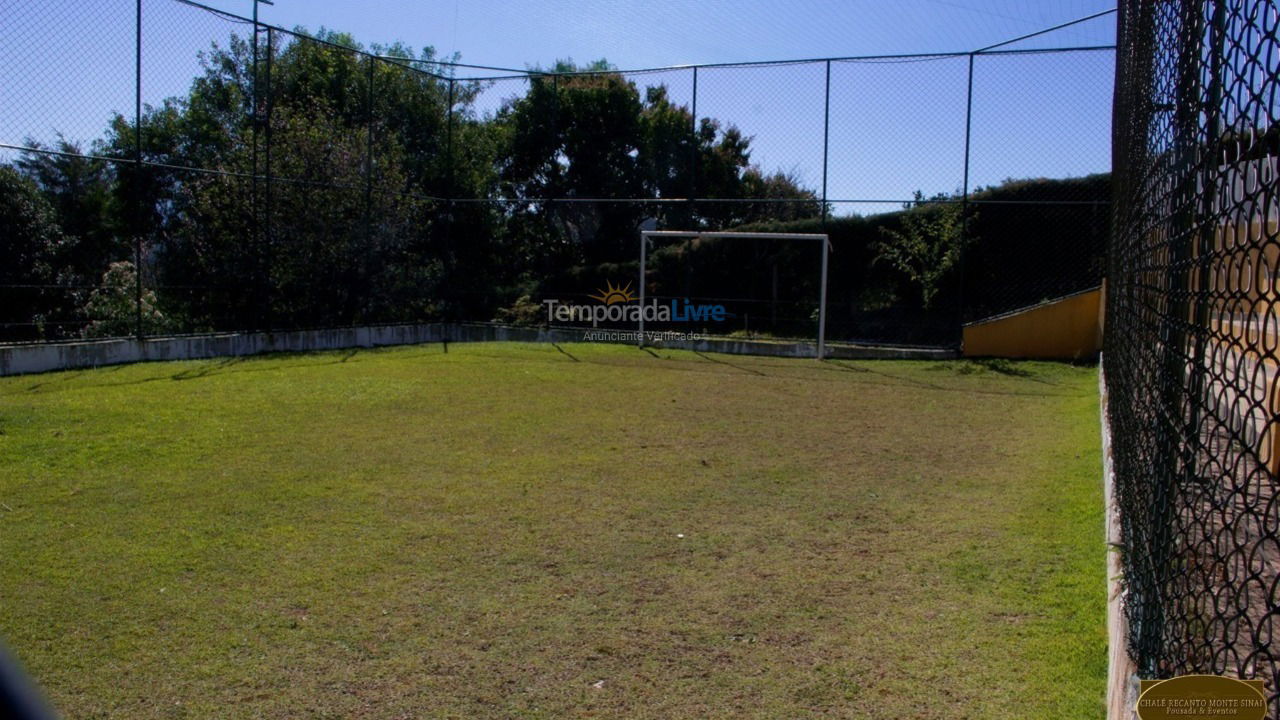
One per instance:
[(1066, 329)]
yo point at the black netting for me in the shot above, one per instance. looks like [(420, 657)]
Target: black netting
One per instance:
[(209, 173), (1192, 335)]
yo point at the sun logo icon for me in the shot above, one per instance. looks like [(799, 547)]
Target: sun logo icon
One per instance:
[(612, 294)]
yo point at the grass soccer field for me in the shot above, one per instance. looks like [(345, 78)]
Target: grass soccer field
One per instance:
[(540, 532)]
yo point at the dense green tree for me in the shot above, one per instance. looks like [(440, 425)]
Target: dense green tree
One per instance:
[(929, 244), (589, 133), (392, 197), (349, 229), (80, 189), (783, 195), (33, 275), (575, 136)]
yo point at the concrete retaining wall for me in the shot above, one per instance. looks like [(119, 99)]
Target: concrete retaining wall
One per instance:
[(33, 358)]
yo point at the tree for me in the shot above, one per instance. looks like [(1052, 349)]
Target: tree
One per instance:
[(929, 245), (389, 198), (800, 202), (113, 308), (346, 231), (589, 133), (576, 136), (79, 189), (35, 251)]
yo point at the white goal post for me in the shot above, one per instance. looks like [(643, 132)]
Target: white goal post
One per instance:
[(647, 235)]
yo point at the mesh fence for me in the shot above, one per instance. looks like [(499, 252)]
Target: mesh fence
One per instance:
[(1192, 336), (207, 173)]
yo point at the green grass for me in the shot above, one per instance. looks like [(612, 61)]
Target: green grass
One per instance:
[(495, 531)]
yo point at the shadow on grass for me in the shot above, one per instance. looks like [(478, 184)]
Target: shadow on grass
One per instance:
[(997, 366), (915, 382), (564, 352), (786, 368), (60, 378), (212, 368), (1001, 366), (729, 364), (753, 363)]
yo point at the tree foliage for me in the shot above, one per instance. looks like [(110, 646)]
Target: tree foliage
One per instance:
[(385, 194), (928, 246), (115, 307), (35, 251)]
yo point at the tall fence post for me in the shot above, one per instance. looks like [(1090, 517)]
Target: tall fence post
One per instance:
[(555, 128), (449, 141), (826, 143), (254, 104), (268, 255), (693, 149), (137, 181), (826, 242), (449, 186), (964, 203), (369, 156)]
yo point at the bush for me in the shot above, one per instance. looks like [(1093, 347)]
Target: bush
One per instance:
[(524, 312), (111, 308)]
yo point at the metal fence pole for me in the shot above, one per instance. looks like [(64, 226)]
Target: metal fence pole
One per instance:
[(964, 204), (254, 101), (694, 149), (644, 246), (822, 300), (826, 142), (368, 159), (549, 209), (268, 240), (364, 258), (968, 129), (137, 158), (449, 189), (449, 139), (253, 125), (826, 242)]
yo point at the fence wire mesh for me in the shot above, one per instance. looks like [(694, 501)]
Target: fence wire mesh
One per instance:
[(1193, 335), (210, 173)]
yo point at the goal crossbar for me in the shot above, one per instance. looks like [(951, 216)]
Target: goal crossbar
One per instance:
[(647, 235)]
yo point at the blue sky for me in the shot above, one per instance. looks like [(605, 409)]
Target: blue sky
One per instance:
[(894, 127)]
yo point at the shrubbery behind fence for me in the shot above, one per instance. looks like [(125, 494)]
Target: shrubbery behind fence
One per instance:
[(199, 171)]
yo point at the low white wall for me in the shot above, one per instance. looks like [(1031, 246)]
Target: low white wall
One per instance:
[(30, 358), (1122, 675), (34, 358)]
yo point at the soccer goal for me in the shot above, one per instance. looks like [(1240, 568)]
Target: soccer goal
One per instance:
[(824, 242)]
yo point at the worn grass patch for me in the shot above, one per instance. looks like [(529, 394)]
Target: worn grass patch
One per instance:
[(538, 532)]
